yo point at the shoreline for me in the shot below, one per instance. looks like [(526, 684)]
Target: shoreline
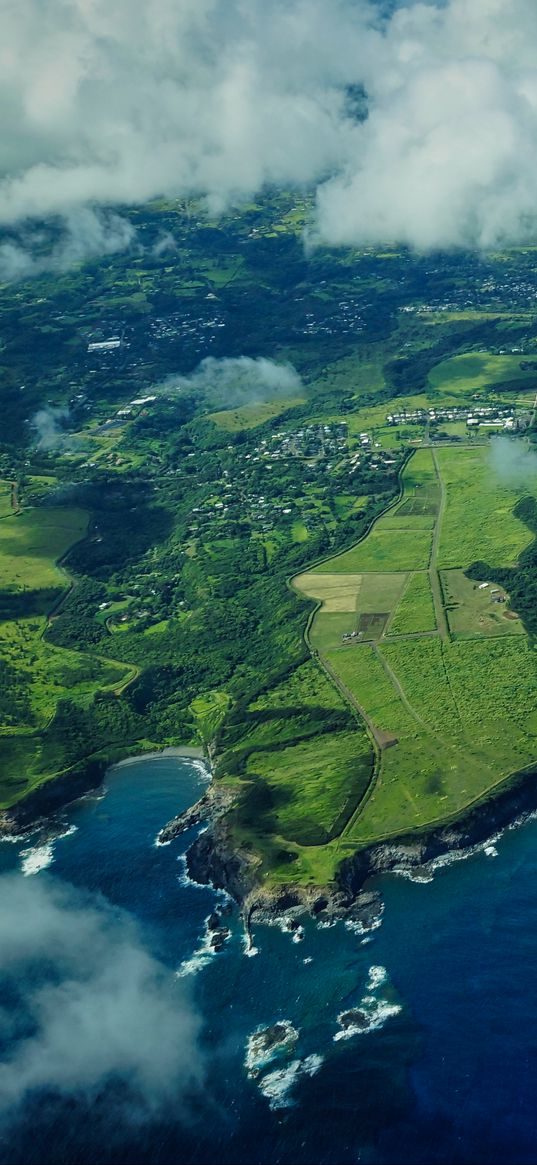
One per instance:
[(189, 752), (214, 859), (58, 793)]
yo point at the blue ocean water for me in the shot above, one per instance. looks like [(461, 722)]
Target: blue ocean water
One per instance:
[(447, 1072)]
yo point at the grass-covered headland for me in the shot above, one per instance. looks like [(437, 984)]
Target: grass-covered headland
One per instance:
[(331, 586)]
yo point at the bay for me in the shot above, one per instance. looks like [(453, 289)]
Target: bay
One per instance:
[(447, 1074)]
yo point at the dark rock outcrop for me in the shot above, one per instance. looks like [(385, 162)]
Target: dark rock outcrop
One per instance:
[(52, 796)]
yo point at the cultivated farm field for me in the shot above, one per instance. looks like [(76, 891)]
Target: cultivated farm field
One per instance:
[(479, 524), (452, 717)]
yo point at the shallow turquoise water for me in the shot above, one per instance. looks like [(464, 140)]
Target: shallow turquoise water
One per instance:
[(450, 1077)]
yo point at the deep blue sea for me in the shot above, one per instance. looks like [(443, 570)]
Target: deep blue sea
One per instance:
[(447, 1072)]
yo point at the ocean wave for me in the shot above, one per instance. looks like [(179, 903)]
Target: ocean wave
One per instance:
[(196, 962), (372, 1012), (376, 978), (276, 1086), (370, 1016), (40, 856), (201, 767), (16, 838), (249, 949), (361, 928), (426, 872), (206, 951), (36, 858), (266, 1044), (184, 878)]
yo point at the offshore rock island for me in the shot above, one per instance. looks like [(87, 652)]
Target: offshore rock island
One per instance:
[(311, 553)]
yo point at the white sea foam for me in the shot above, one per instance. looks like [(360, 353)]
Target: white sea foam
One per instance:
[(202, 768), (377, 976), (276, 1086), (374, 1012), (204, 954), (307, 961), (298, 935), (361, 928), (184, 878), (36, 858), (41, 855), (426, 872), (377, 1013), (259, 1056), (251, 951), (15, 838)]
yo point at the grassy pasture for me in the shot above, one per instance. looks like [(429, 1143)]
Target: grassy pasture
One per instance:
[(33, 541), (250, 416), (327, 630), (385, 549), (472, 612), (307, 686), (209, 711), (5, 499), (401, 539), (476, 707), (478, 523), (479, 372), (313, 782), (454, 717), (415, 611)]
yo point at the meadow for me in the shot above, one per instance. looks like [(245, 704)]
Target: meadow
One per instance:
[(6, 490), (32, 542), (479, 524), (401, 539), (483, 374), (250, 416), (453, 710), (474, 610), (415, 611)]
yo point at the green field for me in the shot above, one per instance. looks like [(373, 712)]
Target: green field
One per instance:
[(450, 703), (250, 416), (480, 373), (474, 610), (31, 544), (6, 508), (415, 612), (479, 524)]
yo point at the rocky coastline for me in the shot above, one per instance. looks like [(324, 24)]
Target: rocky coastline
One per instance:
[(54, 795), (214, 858)]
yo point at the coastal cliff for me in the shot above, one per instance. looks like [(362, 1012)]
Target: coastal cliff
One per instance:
[(214, 857), (52, 796)]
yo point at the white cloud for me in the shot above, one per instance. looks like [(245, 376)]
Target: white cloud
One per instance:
[(233, 381), (93, 1003), (448, 154), (112, 104)]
